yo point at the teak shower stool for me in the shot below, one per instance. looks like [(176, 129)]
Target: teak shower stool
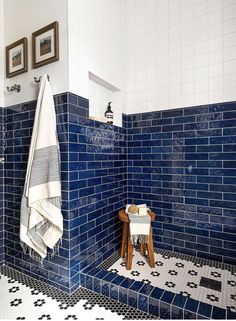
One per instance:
[(127, 246)]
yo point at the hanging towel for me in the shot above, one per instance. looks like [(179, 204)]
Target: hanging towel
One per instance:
[(41, 221), (139, 226)]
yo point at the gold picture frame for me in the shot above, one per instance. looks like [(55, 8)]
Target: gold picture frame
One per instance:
[(45, 45), (17, 58)]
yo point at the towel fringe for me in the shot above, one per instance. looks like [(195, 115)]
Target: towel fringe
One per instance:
[(36, 257), (139, 238), (56, 248)]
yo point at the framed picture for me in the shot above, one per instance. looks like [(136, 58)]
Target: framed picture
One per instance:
[(16, 58), (45, 45)]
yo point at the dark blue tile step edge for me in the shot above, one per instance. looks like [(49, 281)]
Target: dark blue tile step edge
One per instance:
[(106, 264), (81, 293), (149, 299)]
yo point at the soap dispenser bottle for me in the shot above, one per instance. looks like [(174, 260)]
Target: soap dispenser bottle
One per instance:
[(109, 114)]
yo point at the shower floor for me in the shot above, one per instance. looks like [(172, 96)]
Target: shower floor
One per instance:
[(210, 284), (178, 287), (24, 298)]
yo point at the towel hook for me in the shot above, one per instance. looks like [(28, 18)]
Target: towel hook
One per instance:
[(38, 79), (15, 87)]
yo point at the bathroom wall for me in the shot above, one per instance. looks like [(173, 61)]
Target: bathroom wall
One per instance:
[(97, 187), (180, 53), (1, 55), (94, 188), (1, 133), (21, 18), (97, 45), (181, 162), (92, 39), (18, 121)]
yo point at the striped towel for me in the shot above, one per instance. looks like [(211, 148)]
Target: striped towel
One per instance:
[(41, 221), (139, 226)]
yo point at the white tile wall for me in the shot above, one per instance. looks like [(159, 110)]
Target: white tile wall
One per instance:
[(97, 44), (21, 18), (180, 53)]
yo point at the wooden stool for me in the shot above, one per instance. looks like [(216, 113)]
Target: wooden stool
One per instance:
[(127, 246)]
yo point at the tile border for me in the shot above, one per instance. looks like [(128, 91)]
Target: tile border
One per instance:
[(80, 294), (153, 300)]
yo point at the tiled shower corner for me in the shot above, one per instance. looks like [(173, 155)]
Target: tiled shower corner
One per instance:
[(180, 162)]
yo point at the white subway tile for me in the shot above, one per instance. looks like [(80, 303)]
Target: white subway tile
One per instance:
[(229, 94), (201, 85), (200, 9), (229, 81), (229, 12), (201, 98), (216, 96), (214, 17), (215, 70), (187, 100), (216, 56), (229, 39), (179, 52), (229, 26), (187, 88), (229, 53), (215, 5), (230, 67), (187, 76), (227, 3)]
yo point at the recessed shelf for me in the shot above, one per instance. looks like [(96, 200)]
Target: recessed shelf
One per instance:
[(102, 82)]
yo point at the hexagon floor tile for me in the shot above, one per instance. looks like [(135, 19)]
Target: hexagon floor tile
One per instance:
[(25, 298), (181, 273)]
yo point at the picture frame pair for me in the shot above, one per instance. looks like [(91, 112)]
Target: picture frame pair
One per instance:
[(45, 50)]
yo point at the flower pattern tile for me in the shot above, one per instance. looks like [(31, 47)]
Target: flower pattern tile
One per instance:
[(181, 276), (35, 300)]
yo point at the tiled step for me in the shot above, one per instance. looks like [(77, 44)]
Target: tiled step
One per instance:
[(160, 302)]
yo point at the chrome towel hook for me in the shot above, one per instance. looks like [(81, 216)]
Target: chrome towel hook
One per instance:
[(15, 87), (38, 79)]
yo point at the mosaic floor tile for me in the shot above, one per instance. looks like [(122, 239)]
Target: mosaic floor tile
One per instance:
[(181, 274), (25, 298)]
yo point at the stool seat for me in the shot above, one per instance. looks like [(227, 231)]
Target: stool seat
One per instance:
[(127, 246)]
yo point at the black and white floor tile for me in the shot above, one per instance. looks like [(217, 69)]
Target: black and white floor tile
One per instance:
[(208, 282), (24, 298)]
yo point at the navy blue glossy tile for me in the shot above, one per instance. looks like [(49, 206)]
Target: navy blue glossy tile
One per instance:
[(201, 157), (165, 310), (191, 305), (231, 315), (86, 157), (218, 313), (177, 313), (143, 303), (205, 309), (178, 152), (133, 298)]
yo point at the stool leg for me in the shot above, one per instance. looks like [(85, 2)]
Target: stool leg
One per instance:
[(142, 248), (151, 250), (124, 240), (129, 253)]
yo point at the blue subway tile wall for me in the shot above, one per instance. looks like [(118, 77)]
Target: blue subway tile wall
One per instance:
[(18, 121), (94, 188), (181, 163), (1, 190), (98, 190)]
